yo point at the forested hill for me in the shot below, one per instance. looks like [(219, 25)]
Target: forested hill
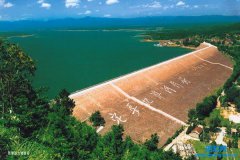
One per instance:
[(93, 22)]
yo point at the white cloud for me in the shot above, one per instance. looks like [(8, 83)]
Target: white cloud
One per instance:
[(71, 3), (168, 7), (40, 1), (107, 15), (5, 4), (195, 6), (154, 4), (88, 12), (46, 5), (180, 3), (89, 0), (110, 2)]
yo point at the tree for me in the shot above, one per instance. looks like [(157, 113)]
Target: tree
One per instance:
[(235, 142), (214, 122), (232, 93), (229, 144), (152, 144), (205, 137), (228, 130), (192, 114), (223, 101), (75, 140), (111, 145), (4, 147), (205, 108), (20, 103), (16, 68), (237, 103), (65, 102), (97, 119), (190, 128)]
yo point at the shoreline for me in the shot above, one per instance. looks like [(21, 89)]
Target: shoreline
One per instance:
[(81, 91), (168, 45), (21, 36)]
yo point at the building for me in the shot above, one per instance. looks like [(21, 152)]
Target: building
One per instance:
[(185, 150), (196, 132)]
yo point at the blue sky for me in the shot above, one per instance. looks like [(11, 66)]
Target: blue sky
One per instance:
[(50, 9)]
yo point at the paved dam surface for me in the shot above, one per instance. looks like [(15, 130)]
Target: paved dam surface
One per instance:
[(155, 99)]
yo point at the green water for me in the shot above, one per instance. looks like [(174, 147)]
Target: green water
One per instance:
[(76, 60)]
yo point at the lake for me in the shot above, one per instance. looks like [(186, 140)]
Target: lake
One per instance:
[(78, 59)]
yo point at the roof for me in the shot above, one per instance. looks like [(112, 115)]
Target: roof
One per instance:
[(198, 129)]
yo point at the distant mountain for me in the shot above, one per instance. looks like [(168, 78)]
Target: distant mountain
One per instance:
[(91, 22)]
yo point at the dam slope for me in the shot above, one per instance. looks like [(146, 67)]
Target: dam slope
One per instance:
[(155, 99)]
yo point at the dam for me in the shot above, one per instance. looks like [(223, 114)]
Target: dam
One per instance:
[(155, 99)]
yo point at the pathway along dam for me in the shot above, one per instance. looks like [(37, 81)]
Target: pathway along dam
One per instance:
[(155, 99)]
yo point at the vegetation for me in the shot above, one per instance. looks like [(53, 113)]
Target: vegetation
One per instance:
[(32, 127), (152, 143), (202, 111), (205, 108), (188, 32), (214, 122), (233, 95), (97, 119), (201, 148)]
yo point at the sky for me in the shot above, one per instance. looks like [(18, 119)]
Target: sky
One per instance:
[(52, 9)]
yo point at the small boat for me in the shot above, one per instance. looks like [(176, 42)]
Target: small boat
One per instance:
[(157, 45)]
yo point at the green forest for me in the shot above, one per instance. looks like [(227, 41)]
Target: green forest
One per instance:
[(33, 127)]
